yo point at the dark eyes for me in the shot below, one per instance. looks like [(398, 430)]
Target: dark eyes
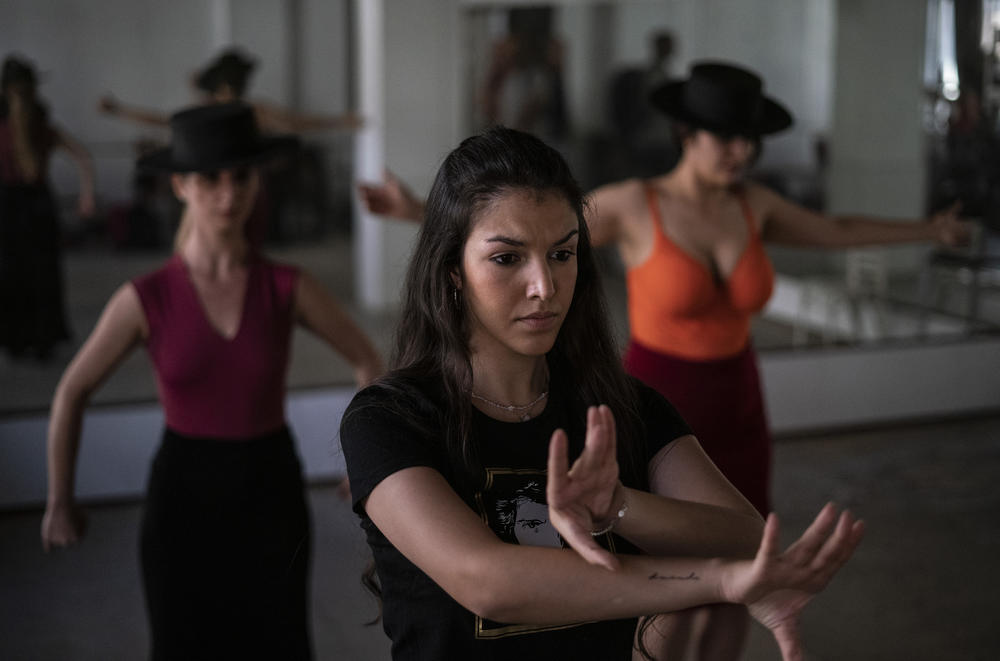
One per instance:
[(729, 137), (509, 258), (240, 175), (506, 259)]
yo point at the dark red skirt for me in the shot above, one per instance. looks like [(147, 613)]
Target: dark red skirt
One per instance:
[(722, 402)]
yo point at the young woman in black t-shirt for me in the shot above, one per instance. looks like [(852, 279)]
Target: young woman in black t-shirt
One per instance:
[(506, 382)]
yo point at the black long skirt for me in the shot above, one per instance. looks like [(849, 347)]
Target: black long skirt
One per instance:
[(225, 547), (33, 317)]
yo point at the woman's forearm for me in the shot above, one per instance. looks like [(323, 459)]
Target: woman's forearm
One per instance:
[(668, 526), (65, 422), (532, 585), (855, 231)]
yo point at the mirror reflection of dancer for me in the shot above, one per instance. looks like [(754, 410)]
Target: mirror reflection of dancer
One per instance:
[(225, 539), (225, 79), (31, 280), (505, 365)]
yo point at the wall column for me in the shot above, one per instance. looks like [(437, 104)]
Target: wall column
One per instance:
[(369, 154)]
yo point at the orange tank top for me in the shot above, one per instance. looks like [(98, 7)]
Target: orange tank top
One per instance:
[(677, 307)]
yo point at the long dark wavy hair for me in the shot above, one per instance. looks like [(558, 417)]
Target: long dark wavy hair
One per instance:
[(432, 338), (29, 123)]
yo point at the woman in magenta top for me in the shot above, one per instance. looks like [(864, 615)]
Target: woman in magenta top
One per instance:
[(225, 531)]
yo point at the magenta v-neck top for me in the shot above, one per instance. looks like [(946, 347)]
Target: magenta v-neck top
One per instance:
[(211, 386)]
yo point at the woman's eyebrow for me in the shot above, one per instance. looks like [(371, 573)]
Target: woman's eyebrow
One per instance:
[(567, 237), (504, 239), (499, 238)]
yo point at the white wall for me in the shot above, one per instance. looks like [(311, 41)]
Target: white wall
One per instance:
[(877, 156)]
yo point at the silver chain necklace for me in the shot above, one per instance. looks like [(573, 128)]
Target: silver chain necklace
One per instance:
[(522, 411)]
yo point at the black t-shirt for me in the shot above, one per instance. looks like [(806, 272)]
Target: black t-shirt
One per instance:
[(422, 620)]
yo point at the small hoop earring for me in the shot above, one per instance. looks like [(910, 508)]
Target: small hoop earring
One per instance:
[(454, 295)]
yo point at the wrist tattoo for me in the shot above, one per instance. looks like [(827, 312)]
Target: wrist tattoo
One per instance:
[(656, 576)]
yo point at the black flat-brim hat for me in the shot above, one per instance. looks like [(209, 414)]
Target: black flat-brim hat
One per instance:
[(723, 98), (215, 137)]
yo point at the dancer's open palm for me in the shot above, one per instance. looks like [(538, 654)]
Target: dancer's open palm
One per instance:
[(584, 497), (777, 585)]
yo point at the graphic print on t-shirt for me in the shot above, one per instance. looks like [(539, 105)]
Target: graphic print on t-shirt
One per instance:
[(512, 503)]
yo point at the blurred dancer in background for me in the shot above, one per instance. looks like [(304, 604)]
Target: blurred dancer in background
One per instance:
[(31, 280)]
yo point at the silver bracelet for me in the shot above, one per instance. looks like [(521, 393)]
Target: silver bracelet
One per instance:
[(614, 520)]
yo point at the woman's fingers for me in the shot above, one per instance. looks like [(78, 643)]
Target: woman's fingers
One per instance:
[(558, 468), (769, 539), (581, 541), (599, 446), (810, 542), (596, 555), (611, 433), (840, 546), (787, 637)]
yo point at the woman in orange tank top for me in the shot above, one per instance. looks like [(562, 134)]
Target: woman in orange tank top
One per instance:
[(692, 243)]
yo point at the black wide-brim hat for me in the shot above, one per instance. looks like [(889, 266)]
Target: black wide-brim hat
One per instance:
[(215, 137), (723, 98)]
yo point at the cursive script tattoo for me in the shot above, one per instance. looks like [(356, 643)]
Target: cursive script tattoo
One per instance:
[(656, 576)]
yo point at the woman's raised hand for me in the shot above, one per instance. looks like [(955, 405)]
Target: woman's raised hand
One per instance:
[(776, 585), (949, 229), (391, 198), (584, 497)]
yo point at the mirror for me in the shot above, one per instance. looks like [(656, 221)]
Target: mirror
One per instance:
[(95, 80), (874, 139)]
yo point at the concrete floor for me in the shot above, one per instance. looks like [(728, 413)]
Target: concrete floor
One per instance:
[(922, 585)]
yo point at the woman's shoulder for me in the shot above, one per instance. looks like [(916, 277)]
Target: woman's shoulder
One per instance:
[(159, 277), (653, 406), (756, 193), (620, 193), (276, 267), (284, 277), (412, 397), (394, 416)]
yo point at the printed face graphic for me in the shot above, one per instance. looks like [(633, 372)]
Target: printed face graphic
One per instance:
[(513, 505), (532, 527)]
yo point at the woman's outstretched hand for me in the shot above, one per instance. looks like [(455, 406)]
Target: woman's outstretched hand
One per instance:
[(585, 497), (391, 198), (949, 229), (776, 585)]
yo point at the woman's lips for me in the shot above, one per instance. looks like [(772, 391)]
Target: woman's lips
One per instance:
[(539, 320)]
